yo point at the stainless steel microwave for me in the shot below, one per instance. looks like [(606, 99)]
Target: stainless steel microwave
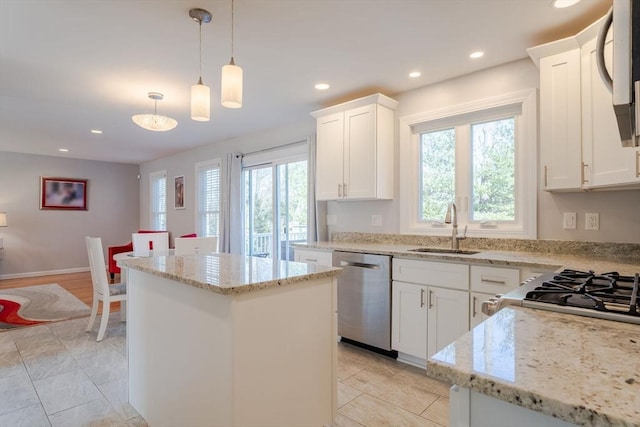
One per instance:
[(624, 83)]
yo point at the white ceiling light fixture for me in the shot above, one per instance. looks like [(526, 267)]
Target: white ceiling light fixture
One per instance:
[(415, 74), (322, 86), (561, 4), (200, 93), (476, 55), (231, 82), (153, 121)]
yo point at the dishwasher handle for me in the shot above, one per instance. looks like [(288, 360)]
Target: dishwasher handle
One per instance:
[(359, 264)]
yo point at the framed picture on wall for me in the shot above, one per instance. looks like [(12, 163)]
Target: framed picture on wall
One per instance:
[(63, 193), (179, 192)]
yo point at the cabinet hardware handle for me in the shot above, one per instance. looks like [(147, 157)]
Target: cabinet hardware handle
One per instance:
[(475, 302), (311, 259), (638, 164), (497, 282), (545, 176), (430, 299), (345, 189), (421, 298), (339, 190), (582, 179)]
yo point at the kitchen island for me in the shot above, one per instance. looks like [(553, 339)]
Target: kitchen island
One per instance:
[(543, 367), (225, 340)]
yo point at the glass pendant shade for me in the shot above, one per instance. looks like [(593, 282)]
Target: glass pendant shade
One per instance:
[(231, 87), (200, 102), (154, 122)]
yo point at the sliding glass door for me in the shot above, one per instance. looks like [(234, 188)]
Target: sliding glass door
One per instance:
[(275, 207)]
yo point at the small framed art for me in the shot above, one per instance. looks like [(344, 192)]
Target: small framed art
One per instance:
[(63, 193), (179, 192)]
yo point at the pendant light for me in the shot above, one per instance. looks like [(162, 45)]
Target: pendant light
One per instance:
[(231, 85), (154, 121), (200, 93)]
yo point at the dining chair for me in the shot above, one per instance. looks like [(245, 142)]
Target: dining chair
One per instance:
[(143, 243), (195, 245), (102, 291)]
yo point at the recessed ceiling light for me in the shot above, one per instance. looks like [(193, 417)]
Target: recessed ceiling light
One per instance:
[(322, 86), (476, 55), (96, 131), (560, 4), (63, 150), (415, 74)]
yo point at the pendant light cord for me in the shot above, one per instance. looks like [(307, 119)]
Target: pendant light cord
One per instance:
[(231, 30), (200, 78)]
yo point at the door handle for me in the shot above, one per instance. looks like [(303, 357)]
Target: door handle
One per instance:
[(430, 298), (475, 302), (421, 298)]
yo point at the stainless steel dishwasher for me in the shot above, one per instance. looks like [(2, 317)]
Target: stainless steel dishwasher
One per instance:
[(364, 298)]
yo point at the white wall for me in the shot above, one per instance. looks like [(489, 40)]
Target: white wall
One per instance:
[(52, 241), (619, 210), (183, 221)]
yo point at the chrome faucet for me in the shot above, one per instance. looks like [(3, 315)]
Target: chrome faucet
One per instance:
[(455, 237)]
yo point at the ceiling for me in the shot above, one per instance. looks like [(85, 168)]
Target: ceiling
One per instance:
[(69, 66)]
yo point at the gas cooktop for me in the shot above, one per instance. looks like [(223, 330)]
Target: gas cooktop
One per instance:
[(607, 295)]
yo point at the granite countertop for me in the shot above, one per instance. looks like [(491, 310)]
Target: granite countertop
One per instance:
[(582, 370), (516, 258), (229, 274)]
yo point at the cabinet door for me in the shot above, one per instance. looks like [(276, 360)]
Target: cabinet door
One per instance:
[(329, 157), (608, 163), (560, 121), (313, 257), (448, 317), (476, 316), (409, 319), (360, 152)]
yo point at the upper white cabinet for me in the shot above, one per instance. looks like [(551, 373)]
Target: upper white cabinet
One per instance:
[(355, 146), (580, 146)]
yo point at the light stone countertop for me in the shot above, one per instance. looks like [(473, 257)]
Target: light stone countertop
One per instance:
[(582, 370), (534, 260), (229, 274)]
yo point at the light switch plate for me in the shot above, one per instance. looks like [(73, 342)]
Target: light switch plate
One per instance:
[(569, 221), (376, 220)]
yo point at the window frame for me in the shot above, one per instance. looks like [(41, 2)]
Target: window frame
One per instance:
[(411, 126), (153, 214), (200, 167)]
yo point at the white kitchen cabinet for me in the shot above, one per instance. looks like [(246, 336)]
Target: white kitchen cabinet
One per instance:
[(355, 146), (560, 137), (313, 256), (580, 146), (607, 162), (430, 307)]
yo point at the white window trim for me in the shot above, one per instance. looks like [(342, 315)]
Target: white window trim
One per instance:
[(152, 177), (213, 163), (526, 127)]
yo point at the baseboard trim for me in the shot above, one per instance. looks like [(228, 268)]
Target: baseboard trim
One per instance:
[(43, 273)]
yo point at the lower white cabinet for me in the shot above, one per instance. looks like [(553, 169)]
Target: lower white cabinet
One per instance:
[(312, 256), (476, 316), (425, 319)]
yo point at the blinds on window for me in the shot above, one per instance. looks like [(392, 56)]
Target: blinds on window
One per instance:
[(158, 201), (208, 197)]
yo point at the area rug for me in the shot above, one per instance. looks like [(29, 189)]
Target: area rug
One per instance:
[(33, 305)]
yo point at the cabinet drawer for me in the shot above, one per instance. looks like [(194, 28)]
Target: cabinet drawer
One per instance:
[(453, 276), (313, 257), (494, 280)]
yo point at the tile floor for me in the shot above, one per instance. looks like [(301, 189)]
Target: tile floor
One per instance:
[(58, 375)]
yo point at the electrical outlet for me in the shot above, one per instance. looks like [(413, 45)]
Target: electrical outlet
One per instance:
[(569, 221), (376, 220), (592, 221)]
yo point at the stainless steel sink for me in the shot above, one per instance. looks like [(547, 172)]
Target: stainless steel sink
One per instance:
[(443, 251)]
